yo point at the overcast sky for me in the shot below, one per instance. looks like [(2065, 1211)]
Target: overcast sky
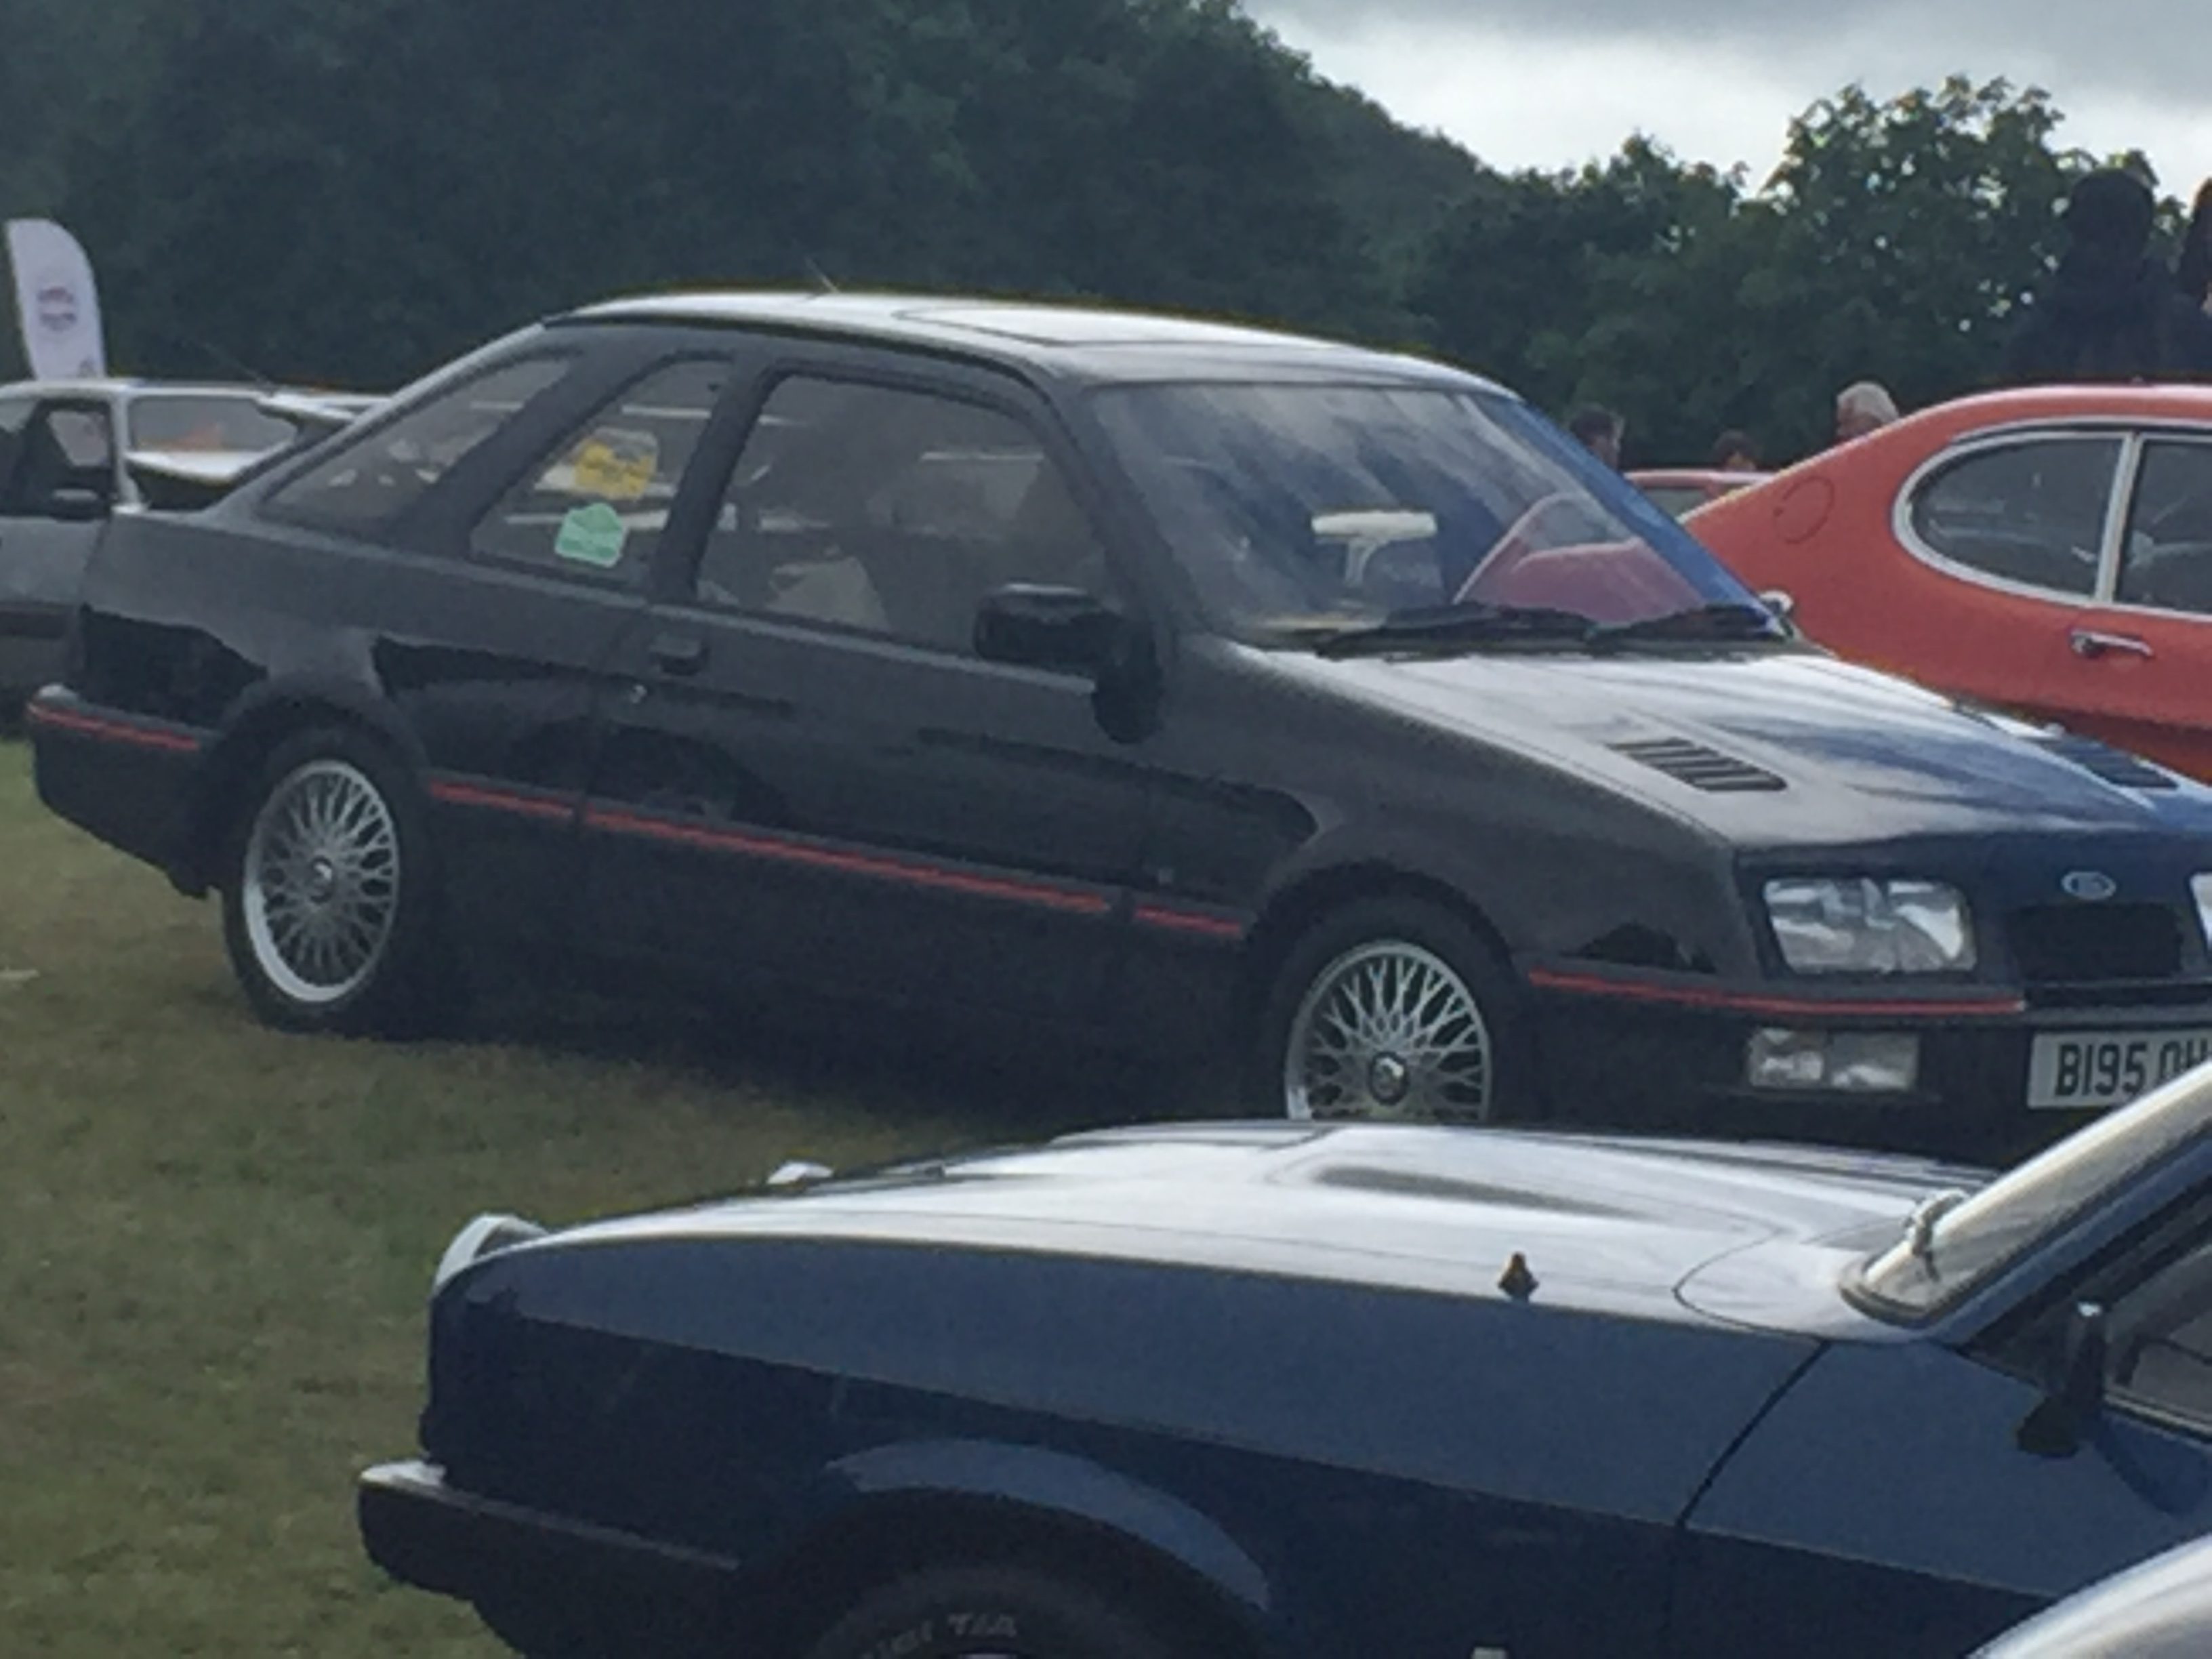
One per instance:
[(1551, 83)]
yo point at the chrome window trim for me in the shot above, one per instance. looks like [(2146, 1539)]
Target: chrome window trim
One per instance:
[(2118, 510), (2200, 438)]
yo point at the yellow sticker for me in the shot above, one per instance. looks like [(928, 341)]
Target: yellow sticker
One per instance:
[(615, 465)]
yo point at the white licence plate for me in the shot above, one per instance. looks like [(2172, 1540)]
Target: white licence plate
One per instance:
[(2081, 1070)]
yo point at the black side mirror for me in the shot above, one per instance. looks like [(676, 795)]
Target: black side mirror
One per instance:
[(1036, 627), (2055, 1427)]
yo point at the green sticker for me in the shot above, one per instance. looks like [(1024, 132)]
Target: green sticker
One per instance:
[(592, 535)]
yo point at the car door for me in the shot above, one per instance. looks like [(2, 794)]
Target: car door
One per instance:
[(2141, 660), (57, 479), (1898, 1500), (809, 774), (2009, 534)]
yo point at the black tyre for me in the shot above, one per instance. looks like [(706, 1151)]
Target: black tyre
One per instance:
[(1393, 1008), (330, 901), (993, 1612)]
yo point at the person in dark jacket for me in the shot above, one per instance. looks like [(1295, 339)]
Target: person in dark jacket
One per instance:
[(2192, 272), (2110, 312)]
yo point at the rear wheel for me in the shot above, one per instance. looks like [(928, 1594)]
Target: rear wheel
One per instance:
[(328, 896), (993, 1612), (1392, 1009)]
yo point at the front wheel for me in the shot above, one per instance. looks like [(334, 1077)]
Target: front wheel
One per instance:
[(327, 902), (993, 1612), (1392, 1009)]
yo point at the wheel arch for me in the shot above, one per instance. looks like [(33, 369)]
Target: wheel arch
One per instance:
[(264, 718), (959, 1503), (1301, 905)]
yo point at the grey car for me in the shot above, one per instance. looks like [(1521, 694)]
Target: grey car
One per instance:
[(71, 452)]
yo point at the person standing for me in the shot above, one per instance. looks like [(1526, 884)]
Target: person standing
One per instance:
[(2110, 312), (1601, 431), (2192, 273), (1735, 451), (1863, 406)]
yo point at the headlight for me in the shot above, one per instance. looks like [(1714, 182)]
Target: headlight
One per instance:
[(2202, 887), (481, 1239), (1860, 927)]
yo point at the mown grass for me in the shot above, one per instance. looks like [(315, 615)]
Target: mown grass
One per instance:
[(215, 1243)]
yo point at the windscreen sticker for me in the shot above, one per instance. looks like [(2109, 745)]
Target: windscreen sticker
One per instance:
[(616, 465), (592, 535)]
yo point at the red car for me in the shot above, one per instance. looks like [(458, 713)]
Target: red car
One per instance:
[(2047, 551), (1684, 490)]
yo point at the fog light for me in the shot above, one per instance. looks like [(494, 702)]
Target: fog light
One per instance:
[(1840, 1062)]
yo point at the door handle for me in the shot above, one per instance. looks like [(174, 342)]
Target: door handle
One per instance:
[(677, 653), (2091, 643)]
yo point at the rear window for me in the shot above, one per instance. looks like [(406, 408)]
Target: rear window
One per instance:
[(369, 482)]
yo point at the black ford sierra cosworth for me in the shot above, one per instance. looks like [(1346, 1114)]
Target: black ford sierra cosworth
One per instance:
[(1113, 676)]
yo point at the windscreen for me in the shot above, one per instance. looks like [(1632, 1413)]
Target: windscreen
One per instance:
[(1298, 506)]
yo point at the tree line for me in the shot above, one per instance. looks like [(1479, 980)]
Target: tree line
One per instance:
[(347, 192)]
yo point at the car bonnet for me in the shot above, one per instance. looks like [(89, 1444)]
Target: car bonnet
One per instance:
[(1780, 748), (1610, 1224)]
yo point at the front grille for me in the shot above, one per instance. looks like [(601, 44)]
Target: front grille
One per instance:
[(2094, 944), (1699, 767), (2109, 763)]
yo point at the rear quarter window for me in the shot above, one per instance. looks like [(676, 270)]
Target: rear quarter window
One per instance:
[(372, 480), (2030, 514)]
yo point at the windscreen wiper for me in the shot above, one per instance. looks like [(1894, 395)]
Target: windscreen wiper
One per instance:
[(1731, 619), (1455, 624)]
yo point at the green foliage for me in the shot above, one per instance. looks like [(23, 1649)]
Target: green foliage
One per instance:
[(349, 190), (1893, 243)]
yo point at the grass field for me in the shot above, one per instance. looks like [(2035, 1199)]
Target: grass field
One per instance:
[(215, 1244)]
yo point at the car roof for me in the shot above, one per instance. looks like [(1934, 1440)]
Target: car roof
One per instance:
[(1081, 342), (115, 386), (1989, 412), (1692, 477)]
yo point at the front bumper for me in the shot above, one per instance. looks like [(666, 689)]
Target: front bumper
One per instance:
[(603, 1587), (1613, 1053)]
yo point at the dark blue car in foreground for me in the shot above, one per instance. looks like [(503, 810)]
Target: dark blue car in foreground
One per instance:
[(1223, 1392)]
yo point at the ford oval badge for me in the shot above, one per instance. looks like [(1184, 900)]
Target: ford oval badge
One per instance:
[(2091, 886)]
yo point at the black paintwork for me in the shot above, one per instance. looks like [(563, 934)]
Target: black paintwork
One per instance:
[(623, 776)]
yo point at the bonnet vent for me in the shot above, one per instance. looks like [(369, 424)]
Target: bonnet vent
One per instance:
[(1699, 767), (2110, 764)]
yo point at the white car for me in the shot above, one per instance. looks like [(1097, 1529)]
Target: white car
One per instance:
[(73, 451)]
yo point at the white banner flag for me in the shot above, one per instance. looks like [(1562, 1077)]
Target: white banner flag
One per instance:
[(56, 302)]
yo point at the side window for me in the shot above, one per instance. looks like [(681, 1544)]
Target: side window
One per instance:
[(2032, 512), (2160, 1335), (599, 501), (892, 513), (2167, 559), (370, 482), (65, 464)]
